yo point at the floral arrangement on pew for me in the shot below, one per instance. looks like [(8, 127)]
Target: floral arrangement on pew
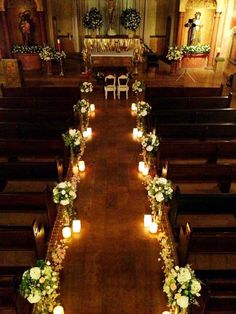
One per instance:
[(64, 193), (150, 144), (82, 107), (130, 18), (138, 87), (182, 287), (73, 139), (86, 87), (160, 191), (143, 110), (39, 285)]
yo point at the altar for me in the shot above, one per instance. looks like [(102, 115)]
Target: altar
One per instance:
[(111, 59)]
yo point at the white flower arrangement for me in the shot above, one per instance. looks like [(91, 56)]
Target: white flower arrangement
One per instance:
[(160, 189), (174, 54), (150, 143), (182, 287), (86, 87), (73, 139), (48, 53), (82, 106), (143, 108), (64, 193), (39, 282), (138, 87), (130, 19)]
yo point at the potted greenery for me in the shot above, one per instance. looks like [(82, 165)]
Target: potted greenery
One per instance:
[(174, 55), (28, 56), (130, 19), (93, 20)]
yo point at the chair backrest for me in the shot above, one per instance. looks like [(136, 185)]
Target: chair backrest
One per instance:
[(110, 80), (123, 80)]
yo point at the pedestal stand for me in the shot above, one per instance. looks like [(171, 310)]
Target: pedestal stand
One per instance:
[(185, 72)]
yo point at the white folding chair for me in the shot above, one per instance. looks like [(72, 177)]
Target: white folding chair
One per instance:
[(123, 85), (110, 85)]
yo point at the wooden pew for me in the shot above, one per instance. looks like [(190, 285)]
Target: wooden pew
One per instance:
[(174, 103), (36, 116), (206, 152), (198, 131), (200, 204), (226, 115), (42, 130), (221, 174), (19, 207), (205, 241), (30, 241), (14, 149), (49, 91), (30, 171), (155, 92)]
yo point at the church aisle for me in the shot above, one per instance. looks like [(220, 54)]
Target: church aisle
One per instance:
[(112, 266)]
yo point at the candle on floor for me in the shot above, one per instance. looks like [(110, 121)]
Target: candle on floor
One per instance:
[(139, 134), (85, 134), (92, 107), (81, 165), (133, 106), (140, 166), (66, 232), (75, 170), (89, 131), (145, 170), (147, 220), (153, 227), (76, 225), (135, 133), (58, 310), (166, 312)]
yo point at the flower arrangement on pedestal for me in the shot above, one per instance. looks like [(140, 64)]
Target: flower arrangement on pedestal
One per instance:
[(86, 87), (64, 193), (182, 287), (73, 139), (174, 54), (39, 285), (130, 18), (48, 53), (160, 191), (93, 19)]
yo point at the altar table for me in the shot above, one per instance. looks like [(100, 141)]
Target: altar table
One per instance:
[(112, 59)]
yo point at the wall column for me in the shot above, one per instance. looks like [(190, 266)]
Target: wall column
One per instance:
[(41, 15), (213, 39), (180, 28), (3, 21)]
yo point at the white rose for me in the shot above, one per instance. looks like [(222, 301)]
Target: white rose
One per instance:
[(184, 275), (64, 202), (149, 148), (77, 142), (63, 192), (72, 194), (162, 180), (159, 197), (144, 113), (35, 297), (62, 185), (83, 110), (35, 273), (183, 302), (195, 286)]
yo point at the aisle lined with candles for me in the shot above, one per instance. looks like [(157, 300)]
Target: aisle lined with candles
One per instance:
[(112, 265)]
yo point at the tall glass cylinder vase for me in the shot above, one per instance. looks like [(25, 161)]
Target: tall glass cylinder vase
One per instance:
[(178, 310)]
